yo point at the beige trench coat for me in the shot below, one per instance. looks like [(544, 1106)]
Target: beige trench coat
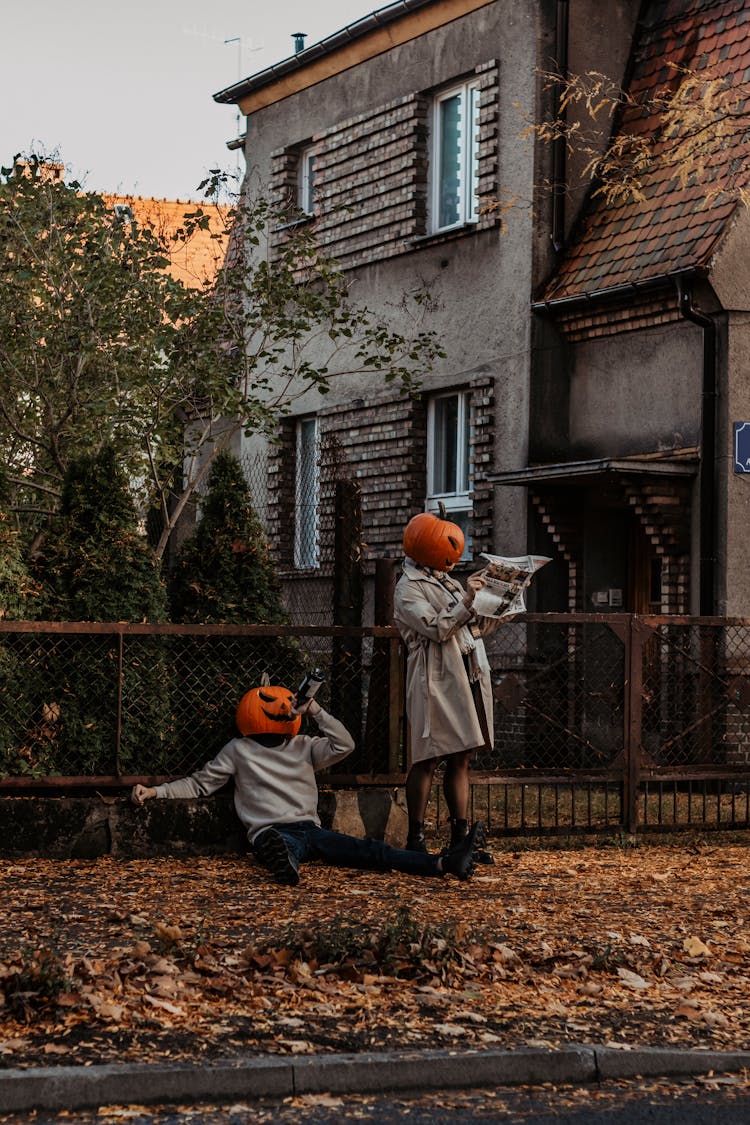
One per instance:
[(439, 703)]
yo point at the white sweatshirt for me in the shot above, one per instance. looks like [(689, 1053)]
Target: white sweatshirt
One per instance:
[(272, 785)]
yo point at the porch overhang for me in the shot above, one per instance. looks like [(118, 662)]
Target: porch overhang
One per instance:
[(600, 469)]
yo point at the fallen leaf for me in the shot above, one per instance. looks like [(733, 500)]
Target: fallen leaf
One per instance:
[(694, 947), (632, 980)]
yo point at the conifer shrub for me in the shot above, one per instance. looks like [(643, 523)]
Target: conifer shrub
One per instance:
[(96, 566), (225, 575), (23, 746)]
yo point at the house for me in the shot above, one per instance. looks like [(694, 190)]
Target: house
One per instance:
[(641, 341), (594, 352), (193, 260)]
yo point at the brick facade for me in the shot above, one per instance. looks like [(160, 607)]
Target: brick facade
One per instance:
[(381, 442), (371, 176)]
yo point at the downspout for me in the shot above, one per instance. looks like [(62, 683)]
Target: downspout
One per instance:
[(709, 394), (559, 170)]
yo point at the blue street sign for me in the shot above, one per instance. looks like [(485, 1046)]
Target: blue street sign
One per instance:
[(742, 447)]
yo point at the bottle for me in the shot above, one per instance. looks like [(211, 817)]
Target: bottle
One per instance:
[(309, 686)]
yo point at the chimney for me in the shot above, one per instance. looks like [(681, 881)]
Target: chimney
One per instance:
[(299, 38)]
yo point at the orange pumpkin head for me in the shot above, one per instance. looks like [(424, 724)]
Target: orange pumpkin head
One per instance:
[(268, 710), (432, 540)]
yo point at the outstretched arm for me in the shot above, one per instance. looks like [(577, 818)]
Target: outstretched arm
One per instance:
[(199, 784)]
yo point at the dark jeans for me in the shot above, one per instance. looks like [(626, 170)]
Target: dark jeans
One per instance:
[(306, 840)]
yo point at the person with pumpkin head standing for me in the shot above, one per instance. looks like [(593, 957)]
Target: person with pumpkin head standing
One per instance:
[(448, 686), (273, 767)]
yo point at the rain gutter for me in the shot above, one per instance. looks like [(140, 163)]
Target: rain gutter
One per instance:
[(559, 149), (707, 486)]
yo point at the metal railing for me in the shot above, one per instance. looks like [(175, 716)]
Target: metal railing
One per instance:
[(603, 722)]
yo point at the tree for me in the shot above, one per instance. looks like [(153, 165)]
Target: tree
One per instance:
[(18, 591), (99, 344), (692, 129)]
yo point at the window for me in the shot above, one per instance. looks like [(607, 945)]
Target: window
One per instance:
[(448, 459), (306, 183), (455, 151), (306, 493)]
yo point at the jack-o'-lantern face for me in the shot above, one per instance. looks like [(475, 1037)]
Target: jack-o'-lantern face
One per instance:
[(433, 541), (268, 710)]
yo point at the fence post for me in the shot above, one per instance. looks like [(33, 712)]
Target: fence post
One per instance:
[(636, 636), (381, 700), (120, 677), (346, 679)]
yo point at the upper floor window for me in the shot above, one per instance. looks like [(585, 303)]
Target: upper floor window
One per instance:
[(448, 478), (306, 495), (306, 180), (454, 157)]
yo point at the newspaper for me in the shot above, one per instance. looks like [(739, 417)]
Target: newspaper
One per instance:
[(505, 582)]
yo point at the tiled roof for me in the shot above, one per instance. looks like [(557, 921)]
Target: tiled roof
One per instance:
[(194, 261), (676, 228)]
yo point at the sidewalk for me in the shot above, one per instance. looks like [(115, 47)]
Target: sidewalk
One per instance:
[(557, 965)]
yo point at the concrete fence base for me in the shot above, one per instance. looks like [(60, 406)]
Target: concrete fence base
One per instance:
[(89, 827)]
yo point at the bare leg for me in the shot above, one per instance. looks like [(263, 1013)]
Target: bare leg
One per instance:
[(456, 785), (418, 787)]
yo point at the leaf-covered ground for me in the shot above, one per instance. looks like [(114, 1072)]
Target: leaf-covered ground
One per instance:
[(197, 958)]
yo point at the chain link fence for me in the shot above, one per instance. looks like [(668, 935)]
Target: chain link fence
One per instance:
[(111, 701), (602, 722)]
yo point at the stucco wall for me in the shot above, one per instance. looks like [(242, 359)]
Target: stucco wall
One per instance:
[(733, 594), (637, 392)]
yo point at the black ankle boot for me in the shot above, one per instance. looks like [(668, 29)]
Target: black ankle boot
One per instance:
[(459, 832), (415, 840), (460, 860)]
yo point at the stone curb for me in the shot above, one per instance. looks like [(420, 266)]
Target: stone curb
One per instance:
[(78, 1087)]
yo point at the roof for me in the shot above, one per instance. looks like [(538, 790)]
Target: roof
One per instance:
[(677, 228), (358, 42), (195, 261), (348, 34)]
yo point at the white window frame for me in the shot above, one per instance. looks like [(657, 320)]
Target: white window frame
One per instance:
[(457, 500), (306, 179), (306, 496), (468, 156)]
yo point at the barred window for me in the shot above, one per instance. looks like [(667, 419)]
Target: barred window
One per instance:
[(306, 495), (448, 471)]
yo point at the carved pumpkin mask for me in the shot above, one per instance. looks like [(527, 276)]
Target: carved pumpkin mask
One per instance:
[(268, 710), (433, 541)]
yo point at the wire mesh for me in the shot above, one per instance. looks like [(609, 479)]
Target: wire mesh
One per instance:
[(82, 704), (577, 746), (696, 693), (559, 695)]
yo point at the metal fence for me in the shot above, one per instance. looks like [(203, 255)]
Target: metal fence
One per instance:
[(603, 723)]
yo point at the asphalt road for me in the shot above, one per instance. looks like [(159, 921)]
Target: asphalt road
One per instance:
[(659, 1102)]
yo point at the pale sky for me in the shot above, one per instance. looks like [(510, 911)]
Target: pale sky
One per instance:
[(122, 92)]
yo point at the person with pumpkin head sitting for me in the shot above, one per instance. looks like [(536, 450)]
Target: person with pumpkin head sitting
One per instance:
[(276, 795), (448, 686)]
